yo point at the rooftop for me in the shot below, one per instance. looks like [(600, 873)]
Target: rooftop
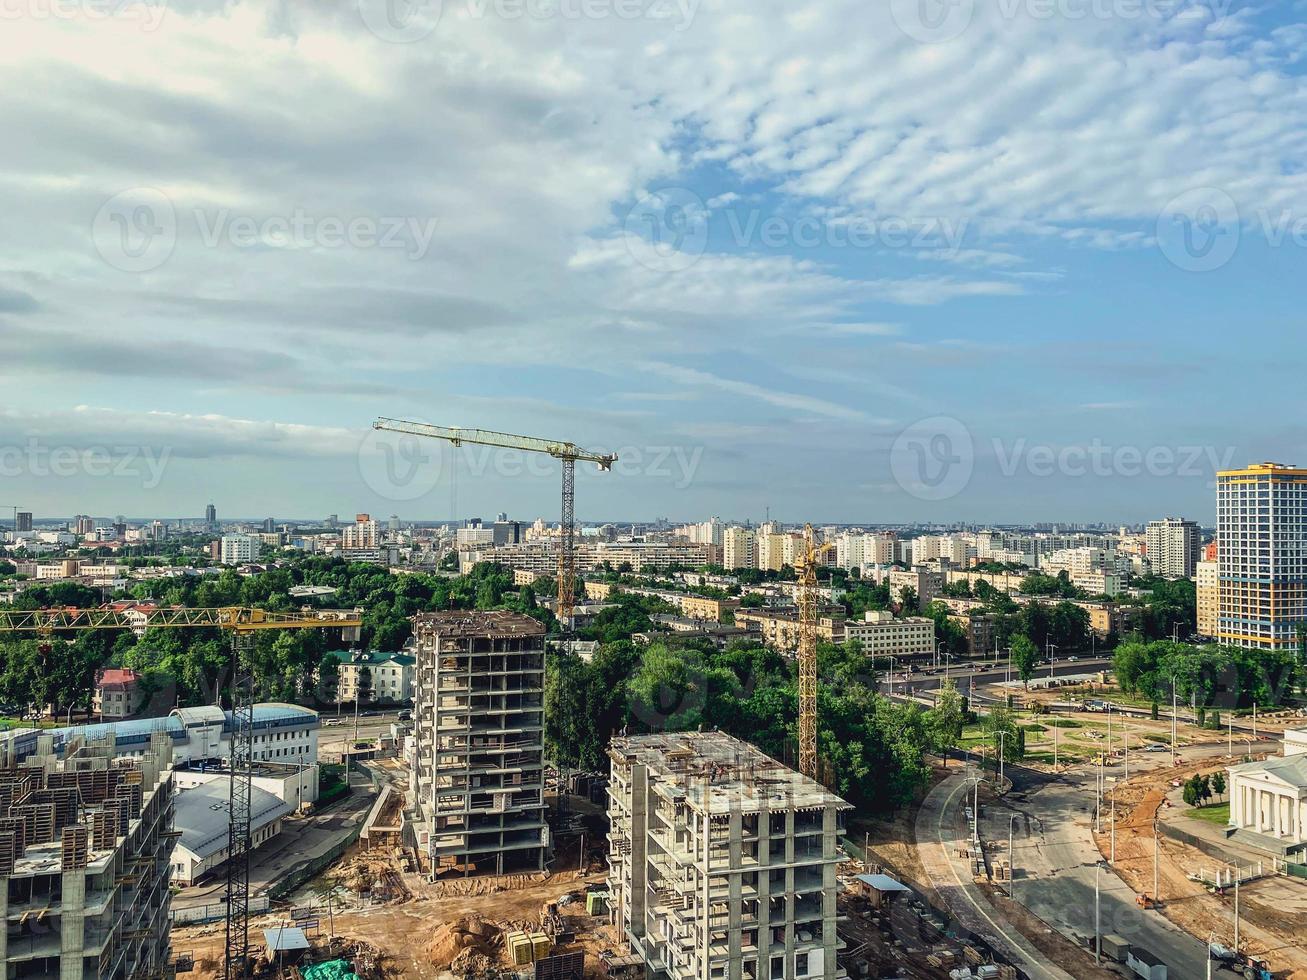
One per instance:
[(465, 623), (716, 773), (202, 815)]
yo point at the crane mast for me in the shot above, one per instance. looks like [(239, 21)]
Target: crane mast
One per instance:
[(807, 601), (567, 452)]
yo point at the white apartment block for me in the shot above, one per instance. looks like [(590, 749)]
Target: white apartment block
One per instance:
[(881, 635), (363, 534), (722, 862), (239, 549), (1173, 546), (927, 584)]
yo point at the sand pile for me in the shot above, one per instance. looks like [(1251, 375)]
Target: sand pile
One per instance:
[(462, 941)]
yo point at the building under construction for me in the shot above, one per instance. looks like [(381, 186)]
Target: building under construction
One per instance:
[(85, 850), (477, 756), (722, 861)]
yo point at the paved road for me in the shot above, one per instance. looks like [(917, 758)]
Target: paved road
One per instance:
[(1056, 862), (968, 677), (941, 831)]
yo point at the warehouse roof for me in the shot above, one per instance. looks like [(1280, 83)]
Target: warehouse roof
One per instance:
[(202, 815)]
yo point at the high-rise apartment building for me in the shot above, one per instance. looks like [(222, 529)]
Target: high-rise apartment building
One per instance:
[(1173, 545), (1261, 522), (1207, 582), (85, 861), (239, 549), (738, 548), (362, 534), (210, 515), (722, 862), (477, 763), (23, 520), (84, 524)]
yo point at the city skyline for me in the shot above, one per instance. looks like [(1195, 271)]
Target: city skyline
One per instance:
[(797, 270)]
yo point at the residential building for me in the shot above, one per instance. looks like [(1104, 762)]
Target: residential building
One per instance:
[(118, 694), (22, 521), (881, 635), (84, 862), (779, 628), (1173, 545), (1207, 581), (389, 677), (738, 548), (1261, 517), (84, 524), (927, 584), (722, 862), (361, 535), (1268, 799), (1110, 619), (239, 549), (477, 751), (210, 515), (981, 630)]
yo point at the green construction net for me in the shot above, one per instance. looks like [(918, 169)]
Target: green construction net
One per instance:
[(331, 970)]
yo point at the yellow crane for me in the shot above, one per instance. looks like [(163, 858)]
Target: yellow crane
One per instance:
[(242, 622), (806, 566), (567, 452)]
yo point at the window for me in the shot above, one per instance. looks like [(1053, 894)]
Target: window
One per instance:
[(800, 964), (777, 968)]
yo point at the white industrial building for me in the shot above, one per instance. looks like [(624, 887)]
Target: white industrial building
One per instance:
[(285, 733), (202, 816)]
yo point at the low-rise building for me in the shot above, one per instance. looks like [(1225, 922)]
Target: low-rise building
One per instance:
[(779, 628), (118, 694), (881, 635), (1268, 799), (203, 818), (374, 677)]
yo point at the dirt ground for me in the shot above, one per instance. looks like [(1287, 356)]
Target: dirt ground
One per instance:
[(1273, 912), (410, 935)]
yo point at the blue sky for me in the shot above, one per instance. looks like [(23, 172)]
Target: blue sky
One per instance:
[(1010, 261)]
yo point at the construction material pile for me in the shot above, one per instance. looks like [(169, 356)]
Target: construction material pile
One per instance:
[(466, 944), (332, 970)]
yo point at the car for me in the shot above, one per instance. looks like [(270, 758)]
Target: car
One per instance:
[(1156, 748), (405, 715)]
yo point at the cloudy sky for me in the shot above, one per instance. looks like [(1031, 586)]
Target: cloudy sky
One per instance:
[(854, 261)]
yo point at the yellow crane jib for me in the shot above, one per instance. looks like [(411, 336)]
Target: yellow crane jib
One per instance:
[(240, 619), (567, 452)]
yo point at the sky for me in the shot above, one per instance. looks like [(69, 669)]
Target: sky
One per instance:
[(840, 261)]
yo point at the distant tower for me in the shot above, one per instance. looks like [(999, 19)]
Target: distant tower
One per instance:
[(23, 521), (269, 525), (211, 514)]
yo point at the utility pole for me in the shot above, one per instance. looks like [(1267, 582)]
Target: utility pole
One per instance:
[(1011, 859), (1114, 827), (1174, 730), (1098, 941), (1055, 731), (1002, 745), (1157, 861), (1236, 908), (1229, 749)]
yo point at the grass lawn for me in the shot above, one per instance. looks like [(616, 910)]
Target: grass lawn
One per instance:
[(1216, 813)]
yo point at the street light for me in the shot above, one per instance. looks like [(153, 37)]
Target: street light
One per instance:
[(1098, 940), (1011, 859), (1049, 647)]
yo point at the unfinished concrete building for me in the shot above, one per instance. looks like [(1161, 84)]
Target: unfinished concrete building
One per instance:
[(722, 861), (85, 850), (477, 756)]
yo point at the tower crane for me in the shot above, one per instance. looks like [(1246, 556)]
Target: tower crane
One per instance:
[(243, 623), (567, 452), (807, 599)]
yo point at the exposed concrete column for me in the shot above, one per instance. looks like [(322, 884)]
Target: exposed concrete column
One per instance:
[(4, 915), (72, 919), (734, 903)]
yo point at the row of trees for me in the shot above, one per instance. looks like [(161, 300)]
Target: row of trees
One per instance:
[(1207, 676)]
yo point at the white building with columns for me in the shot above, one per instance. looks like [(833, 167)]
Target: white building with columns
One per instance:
[(1268, 799)]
